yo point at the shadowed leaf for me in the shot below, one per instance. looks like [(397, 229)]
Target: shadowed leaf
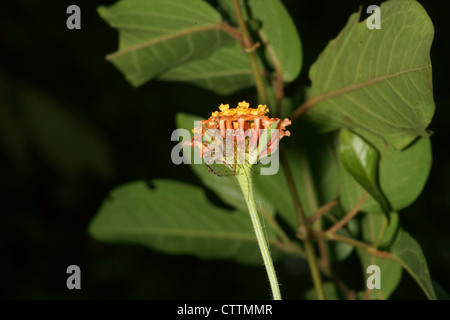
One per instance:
[(176, 218)]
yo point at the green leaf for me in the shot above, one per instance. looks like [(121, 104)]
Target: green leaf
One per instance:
[(156, 35), (176, 218), (274, 188), (360, 159), (322, 164), (225, 71), (378, 80), (409, 254), (228, 7), (280, 34), (341, 250), (329, 288), (314, 171), (402, 176), (391, 271)]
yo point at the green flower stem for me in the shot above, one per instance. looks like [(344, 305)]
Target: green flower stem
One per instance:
[(243, 174)]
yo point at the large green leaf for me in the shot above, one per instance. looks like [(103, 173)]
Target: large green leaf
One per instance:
[(280, 33), (402, 176), (390, 271), (155, 35), (378, 80), (360, 159), (177, 218), (225, 71), (409, 254)]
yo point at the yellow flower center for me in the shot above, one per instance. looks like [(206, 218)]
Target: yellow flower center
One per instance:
[(243, 109)]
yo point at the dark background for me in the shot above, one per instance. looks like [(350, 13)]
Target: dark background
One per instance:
[(46, 204)]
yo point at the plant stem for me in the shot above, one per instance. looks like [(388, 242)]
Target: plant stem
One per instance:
[(323, 209), (278, 85), (304, 228), (349, 216), (249, 47), (369, 248), (243, 174)]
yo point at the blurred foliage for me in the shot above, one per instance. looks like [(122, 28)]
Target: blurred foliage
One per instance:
[(57, 93)]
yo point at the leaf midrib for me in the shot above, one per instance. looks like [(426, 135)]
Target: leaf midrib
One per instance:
[(163, 38), (360, 85), (214, 75), (187, 234)]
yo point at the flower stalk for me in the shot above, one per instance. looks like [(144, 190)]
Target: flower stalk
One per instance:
[(243, 176)]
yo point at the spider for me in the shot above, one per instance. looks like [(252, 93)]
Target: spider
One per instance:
[(232, 164)]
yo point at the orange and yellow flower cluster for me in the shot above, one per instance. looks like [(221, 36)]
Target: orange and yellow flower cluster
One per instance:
[(243, 124)]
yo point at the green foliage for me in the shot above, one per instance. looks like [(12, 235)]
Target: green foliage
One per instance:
[(372, 88), (360, 159), (276, 30), (409, 254), (391, 271), (159, 34), (278, 34), (225, 71), (176, 218), (330, 291), (378, 80), (402, 176)]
